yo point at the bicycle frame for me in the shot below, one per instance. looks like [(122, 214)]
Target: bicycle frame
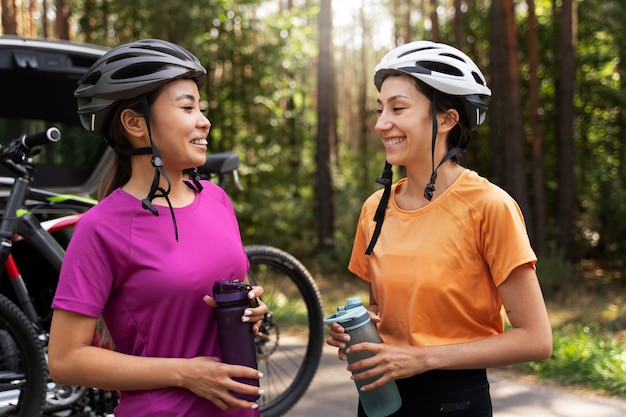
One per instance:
[(19, 221), (39, 236)]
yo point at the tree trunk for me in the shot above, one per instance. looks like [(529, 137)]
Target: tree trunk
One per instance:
[(516, 180), (62, 20), (408, 34), (9, 18), (539, 224), (565, 128), (44, 19), (435, 33), (362, 106), (325, 136), (497, 110), (459, 32)]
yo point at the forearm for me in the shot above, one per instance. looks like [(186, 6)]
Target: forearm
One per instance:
[(106, 369), (513, 346)]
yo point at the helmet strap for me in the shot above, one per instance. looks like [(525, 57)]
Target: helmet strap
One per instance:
[(133, 152), (157, 162), (386, 179), (430, 187), (195, 177)]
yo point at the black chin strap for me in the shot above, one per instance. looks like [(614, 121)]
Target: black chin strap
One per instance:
[(195, 177), (132, 152), (155, 189), (386, 180)]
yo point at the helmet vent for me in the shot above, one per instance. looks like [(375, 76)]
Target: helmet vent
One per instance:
[(440, 67), (478, 78), (453, 56), (137, 70), (92, 79), (120, 57), (413, 51), (169, 51)]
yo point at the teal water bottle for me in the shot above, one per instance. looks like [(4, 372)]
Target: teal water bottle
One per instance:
[(355, 319)]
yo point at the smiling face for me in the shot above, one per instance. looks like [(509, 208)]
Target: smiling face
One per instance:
[(179, 126), (404, 121)]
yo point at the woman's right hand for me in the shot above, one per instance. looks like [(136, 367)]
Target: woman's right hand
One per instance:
[(209, 378), (338, 337)]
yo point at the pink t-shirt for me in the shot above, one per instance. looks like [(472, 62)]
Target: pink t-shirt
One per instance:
[(125, 264)]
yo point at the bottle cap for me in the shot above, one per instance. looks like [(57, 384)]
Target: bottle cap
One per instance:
[(350, 316), (228, 291)]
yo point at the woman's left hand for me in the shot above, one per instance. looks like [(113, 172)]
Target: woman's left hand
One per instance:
[(251, 314)]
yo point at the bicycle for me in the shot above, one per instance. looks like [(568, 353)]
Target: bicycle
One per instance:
[(40, 222)]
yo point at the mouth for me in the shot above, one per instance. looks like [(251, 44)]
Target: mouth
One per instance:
[(201, 142), (393, 141)]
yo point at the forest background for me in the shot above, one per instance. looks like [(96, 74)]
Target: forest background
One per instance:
[(290, 89)]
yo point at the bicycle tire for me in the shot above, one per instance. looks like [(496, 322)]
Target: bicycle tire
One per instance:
[(291, 294), (23, 367)]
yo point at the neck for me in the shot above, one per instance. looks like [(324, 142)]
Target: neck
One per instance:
[(141, 181), (412, 193)]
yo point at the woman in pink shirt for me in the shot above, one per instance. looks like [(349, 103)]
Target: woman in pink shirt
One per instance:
[(146, 257)]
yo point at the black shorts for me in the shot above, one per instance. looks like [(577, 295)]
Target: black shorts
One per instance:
[(444, 394)]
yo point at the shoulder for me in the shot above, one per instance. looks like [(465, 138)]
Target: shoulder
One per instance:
[(485, 202), (113, 211), (478, 191)]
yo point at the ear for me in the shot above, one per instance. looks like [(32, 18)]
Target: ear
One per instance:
[(134, 125), (450, 119)]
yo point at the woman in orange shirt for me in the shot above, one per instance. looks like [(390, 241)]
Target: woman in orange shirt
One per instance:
[(449, 256)]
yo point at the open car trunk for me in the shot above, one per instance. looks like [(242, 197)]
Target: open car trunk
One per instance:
[(37, 82)]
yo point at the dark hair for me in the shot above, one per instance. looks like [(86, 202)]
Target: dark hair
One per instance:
[(459, 135), (119, 170)]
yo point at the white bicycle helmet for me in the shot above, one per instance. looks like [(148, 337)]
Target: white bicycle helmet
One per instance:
[(444, 68)]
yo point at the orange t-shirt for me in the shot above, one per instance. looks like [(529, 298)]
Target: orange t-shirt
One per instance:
[(434, 271)]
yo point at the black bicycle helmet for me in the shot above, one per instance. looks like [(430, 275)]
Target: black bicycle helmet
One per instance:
[(446, 70), (130, 71)]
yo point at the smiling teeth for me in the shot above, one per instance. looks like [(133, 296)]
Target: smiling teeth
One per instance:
[(200, 142), (394, 141)]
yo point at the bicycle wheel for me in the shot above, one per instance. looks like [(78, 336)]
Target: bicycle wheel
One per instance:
[(289, 341), (23, 369)]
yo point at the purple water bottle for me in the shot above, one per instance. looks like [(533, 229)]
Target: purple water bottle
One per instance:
[(236, 337)]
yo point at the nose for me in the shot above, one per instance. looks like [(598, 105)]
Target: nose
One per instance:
[(204, 121), (382, 122)]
